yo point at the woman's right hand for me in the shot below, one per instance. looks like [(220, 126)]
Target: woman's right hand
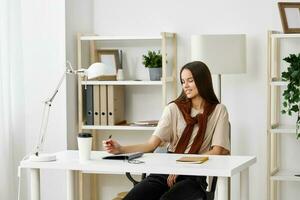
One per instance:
[(171, 180), (111, 146)]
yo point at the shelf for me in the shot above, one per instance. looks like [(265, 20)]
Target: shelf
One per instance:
[(132, 93), (279, 83), (276, 82), (282, 35), (122, 82), (120, 38), (283, 129), (125, 128), (285, 175)]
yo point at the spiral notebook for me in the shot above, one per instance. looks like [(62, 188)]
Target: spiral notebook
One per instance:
[(125, 156)]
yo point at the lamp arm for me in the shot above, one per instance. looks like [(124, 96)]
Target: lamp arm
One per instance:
[(48, 103), (45, 117), (43, 129), (56, 89)]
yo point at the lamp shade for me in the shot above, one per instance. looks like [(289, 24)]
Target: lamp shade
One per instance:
[(223, 54), (99, 69)]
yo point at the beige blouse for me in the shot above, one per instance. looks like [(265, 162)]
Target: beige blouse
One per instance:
[(172, 124)]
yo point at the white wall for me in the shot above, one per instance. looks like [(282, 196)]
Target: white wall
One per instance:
[(43, 36), (244, 94), (79, 19)]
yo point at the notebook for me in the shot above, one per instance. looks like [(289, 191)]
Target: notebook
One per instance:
[(125, 156), (192, 159)]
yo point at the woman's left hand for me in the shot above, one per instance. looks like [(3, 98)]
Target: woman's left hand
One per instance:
[(171, 179)]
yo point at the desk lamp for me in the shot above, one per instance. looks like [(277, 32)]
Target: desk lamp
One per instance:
[(95, 70), (223, 54)]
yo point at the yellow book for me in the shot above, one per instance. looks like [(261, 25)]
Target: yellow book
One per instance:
[(192, 159)]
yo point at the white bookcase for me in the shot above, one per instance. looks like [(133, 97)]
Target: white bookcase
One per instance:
[(168, 80), (276, 128), (167, 86)]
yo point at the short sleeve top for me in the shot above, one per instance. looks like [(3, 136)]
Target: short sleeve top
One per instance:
[(172, 124)]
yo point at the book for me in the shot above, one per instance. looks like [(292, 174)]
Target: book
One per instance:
[(145, 123), (192, 159), (125, 156)]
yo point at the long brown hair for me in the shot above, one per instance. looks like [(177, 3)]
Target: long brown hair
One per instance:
[(203, 81)]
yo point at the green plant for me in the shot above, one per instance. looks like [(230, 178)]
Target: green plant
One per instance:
[(152, 59), (291, 102)]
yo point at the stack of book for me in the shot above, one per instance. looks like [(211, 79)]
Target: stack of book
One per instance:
[(145, 123)]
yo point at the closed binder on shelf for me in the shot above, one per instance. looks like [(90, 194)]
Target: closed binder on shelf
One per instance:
[(103, 105), (96, 102), (115, 104), (89, 105)]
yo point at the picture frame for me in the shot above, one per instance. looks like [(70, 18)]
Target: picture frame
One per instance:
[(290, 16), (109, 57)]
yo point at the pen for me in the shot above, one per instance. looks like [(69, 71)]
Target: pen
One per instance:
[(109, 137)]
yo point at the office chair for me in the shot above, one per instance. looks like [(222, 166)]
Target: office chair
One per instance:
[(210, 193)]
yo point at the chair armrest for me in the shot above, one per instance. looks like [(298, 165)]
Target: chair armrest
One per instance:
[(134, 182)]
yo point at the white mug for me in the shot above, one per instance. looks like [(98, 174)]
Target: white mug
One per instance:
[(84, 146)]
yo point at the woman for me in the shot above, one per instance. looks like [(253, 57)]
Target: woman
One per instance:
[(195, 123)]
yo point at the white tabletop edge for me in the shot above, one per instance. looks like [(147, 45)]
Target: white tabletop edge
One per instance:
[(210, 168), (244, 166)]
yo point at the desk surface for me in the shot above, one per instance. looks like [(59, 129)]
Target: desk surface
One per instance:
[(162, 163)]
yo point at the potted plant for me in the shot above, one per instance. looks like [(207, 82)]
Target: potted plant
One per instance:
[(153, 60), (291, 102)]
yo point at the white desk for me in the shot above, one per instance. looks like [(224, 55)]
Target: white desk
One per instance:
[(221, 166)]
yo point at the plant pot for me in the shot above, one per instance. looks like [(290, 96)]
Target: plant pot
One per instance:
[(155, 74)]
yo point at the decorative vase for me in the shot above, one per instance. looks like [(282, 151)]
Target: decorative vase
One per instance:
[(120, 75), (155, 74)]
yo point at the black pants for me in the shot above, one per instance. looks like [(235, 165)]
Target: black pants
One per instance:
[(155, 187)]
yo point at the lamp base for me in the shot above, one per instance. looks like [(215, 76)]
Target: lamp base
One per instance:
[(43, 158)]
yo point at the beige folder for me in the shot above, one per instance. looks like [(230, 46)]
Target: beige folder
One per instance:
[(103, 104), (115, 102), (96, 102)]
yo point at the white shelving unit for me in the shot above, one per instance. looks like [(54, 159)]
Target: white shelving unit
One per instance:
[(165, 79), (109, 38), (168, 83), (275, 129), (119, 127), (282, 129), (137, 83), (276, 82), (277, 35), (285, 175)]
